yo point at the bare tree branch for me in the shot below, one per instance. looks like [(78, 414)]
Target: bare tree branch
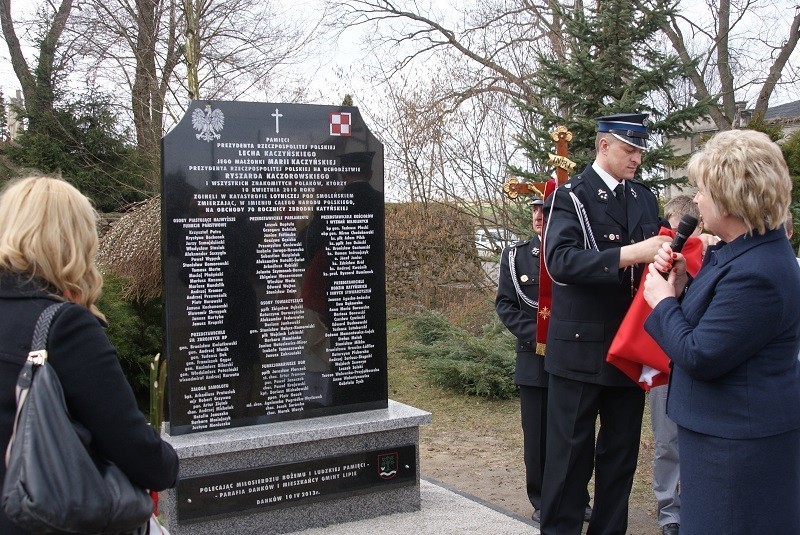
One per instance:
[(734, 58), (778, 65)]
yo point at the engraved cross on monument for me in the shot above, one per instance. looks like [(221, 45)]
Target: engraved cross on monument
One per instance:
[(277, 116)]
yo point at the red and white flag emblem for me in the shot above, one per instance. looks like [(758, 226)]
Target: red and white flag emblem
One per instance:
[(340, 124)]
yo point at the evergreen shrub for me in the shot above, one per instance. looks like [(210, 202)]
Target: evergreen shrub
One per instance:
[(135, 330), (83, 140), (480, 365)]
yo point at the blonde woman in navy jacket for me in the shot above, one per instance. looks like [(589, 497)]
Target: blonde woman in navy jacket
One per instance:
[(733, 338)]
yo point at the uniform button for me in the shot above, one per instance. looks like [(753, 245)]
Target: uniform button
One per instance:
[(633, 241), (605, 269), (524, 278), (577, 335)]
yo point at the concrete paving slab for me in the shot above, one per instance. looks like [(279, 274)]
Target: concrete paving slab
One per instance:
[(445, 511)]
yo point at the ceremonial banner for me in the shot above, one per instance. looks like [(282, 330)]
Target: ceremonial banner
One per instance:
[(634, 351), (564, 166)]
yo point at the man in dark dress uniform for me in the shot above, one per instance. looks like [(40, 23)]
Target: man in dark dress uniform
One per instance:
[(517, 305), (601, 231)]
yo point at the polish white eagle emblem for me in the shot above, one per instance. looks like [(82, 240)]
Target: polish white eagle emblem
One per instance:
[(208, 122)]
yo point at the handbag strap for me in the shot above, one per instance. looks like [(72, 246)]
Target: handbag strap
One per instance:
[(36, 357), (38, 353)]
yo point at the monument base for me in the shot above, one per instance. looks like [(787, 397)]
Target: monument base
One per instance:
[(291, 476)]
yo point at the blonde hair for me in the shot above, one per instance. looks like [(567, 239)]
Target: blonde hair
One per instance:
[(746, 176), (48, 229), (788, 224)]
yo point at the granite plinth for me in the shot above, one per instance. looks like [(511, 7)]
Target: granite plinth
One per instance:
[(299, 441)]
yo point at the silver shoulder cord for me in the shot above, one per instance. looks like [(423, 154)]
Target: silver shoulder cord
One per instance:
[(588, 235), (512, 266)]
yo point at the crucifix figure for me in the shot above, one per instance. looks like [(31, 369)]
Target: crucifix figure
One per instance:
[(277, 116)]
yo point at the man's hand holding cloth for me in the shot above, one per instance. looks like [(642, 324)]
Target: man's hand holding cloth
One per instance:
[(633, 351)]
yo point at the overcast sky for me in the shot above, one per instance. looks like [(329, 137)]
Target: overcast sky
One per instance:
[(336, 65)]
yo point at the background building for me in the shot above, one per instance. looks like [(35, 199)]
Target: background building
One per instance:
[(786, 115)]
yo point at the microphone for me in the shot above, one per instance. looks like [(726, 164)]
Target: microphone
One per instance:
[(685, 228)]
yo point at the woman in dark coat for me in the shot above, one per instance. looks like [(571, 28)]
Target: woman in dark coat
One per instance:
[(733, 334), (48, 240)]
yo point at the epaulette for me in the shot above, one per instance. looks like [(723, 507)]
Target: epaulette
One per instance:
[(520, 243), (567, 187), (573, 182)]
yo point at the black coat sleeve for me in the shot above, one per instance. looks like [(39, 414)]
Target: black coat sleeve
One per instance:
[(99, 397), (519, 319), (569, 261)]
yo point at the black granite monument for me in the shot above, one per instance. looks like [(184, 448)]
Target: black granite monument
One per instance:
[(273, 255)]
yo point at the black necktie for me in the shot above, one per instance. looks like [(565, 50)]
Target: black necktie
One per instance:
[(619, 193)]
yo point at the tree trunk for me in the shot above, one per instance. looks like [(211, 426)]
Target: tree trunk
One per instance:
[(37, 87), (149, 90), (144, 86), (724, 60), (192, 12)]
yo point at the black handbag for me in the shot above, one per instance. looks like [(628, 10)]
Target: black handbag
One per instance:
[(54, 482)]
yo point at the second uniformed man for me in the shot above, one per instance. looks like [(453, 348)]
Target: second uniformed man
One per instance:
[(517, 306)]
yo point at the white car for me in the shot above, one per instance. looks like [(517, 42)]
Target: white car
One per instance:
[(493, 240)]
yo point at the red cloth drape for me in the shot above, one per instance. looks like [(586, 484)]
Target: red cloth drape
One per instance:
[(545, 286), (154, 497), (632, 348)]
